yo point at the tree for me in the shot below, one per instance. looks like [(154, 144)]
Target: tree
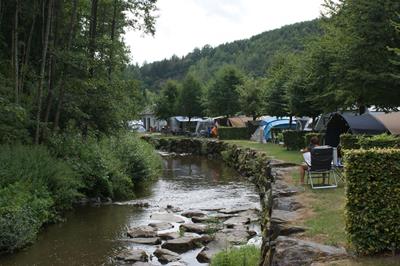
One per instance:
[(166, 104), (223, 95), (252, 97), (276, 94), (189, 103), (362, 69)]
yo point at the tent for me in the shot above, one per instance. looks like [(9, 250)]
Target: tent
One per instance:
[(391, 121), (281, 123), (351, 123)]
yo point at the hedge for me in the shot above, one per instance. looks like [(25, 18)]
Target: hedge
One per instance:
[(293, 140), (379, 141), (373, 196), (225, 133), (349, 141)]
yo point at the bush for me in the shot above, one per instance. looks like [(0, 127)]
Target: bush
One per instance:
[(225, 133), (372, 209), (243, 256), (35, 190), (349, 141), (379, 141), (308, 137), (108, 166), (13, 123), (293, 140)]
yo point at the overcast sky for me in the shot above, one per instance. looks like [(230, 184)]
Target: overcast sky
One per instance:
[(185, 24)]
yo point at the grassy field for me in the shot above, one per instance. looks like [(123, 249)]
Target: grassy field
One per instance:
[(274, 150)]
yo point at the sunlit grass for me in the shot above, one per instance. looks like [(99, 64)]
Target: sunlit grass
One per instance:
[(243, 256), (274, 150)]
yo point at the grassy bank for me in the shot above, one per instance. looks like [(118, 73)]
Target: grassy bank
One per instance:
[(274, 150)]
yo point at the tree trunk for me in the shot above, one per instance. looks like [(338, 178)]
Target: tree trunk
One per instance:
[(112, 37), (290, 121), (42, 70), (15, 55), (92, 37), (27, 54), (52, 66), (62, 79)]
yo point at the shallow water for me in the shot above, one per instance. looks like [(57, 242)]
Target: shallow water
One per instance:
[(94, 235)]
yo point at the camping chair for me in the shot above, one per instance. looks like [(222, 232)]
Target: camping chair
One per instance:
[(321, 168)]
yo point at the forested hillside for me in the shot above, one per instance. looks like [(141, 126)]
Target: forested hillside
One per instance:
[(253, 55)]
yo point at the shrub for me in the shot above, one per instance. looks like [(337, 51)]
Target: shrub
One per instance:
[(308, 137), (349, 141), (243, 256), (225, 133), (379, 141), (35, 190), (372, 208), (13, 123), (293, 140), (108, 166)]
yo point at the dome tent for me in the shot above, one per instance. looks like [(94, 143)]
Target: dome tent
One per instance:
[(275, 122), (354, 124)]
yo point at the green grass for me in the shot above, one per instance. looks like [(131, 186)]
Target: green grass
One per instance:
[(243, 256), (273, 150)]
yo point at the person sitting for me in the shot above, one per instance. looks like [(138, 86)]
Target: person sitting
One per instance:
[(314, 142)]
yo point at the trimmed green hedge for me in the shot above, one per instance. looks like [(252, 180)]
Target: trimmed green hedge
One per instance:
[(349, 141), (379, 141), (293, 140), (225, 133), (373, 196)]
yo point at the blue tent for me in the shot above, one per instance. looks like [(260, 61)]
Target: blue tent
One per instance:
[(282, 123)]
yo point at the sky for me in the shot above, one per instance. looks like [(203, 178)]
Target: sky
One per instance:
[(183, 25)]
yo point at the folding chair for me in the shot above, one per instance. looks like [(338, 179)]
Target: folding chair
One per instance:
[(321, 168)]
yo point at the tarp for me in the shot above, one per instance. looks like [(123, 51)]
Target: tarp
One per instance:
[(351, 123), (391, 121)]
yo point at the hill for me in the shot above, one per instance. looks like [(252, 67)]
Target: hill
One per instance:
[(253, 55)]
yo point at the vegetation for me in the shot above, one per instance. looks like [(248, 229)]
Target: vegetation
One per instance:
[(225, 133), (34, 190), (372, 213), (243, 256)]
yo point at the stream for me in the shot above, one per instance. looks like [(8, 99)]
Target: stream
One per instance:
[(94, 235)]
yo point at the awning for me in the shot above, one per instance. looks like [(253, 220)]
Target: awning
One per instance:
[(364, 124), (391, 121)]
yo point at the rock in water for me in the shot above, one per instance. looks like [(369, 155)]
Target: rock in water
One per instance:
[(142, 231), (191, 214), (181, 245), (146, 240), (166, 256), (194, 228), (205, 255), (292, 251), (236, 221), (134, 255), (161, 226)]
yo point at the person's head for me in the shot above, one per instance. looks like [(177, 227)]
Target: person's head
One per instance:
[(314, 140)]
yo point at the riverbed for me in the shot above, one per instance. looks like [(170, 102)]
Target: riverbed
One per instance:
[(94, 235)]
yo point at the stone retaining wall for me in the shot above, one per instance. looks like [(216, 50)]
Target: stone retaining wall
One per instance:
[(277, 198)]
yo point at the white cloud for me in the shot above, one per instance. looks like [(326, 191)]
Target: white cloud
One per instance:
[(185, 24)]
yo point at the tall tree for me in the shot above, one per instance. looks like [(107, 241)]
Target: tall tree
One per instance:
[(92, 36), (252, 97), (190, 98), (223, 94), (42, 70), (166, 103), (362, 69)]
